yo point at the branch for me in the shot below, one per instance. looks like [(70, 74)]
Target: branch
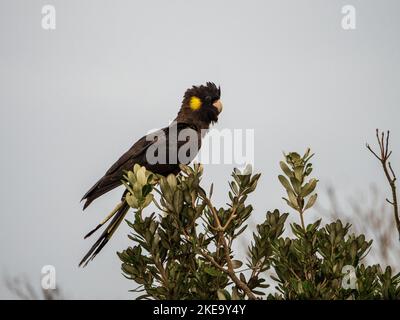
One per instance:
[(231, 217), (232, 274), (230, 271), (385, 153)]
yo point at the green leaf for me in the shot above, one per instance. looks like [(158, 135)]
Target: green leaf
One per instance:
[(286, 169), (292, 198), (259, 293), (131, 177), (296, 185), (171, 179), (234, 187), (178, 201), (236, 264), (295, 207), (285, 183), (149, 198), (146, 190), (298, 173), (131, 200), (212, 271), (241, 231), (141, 176), (311, 201), (308, 187)]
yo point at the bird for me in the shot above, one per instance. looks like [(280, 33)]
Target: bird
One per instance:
[(200, 108)]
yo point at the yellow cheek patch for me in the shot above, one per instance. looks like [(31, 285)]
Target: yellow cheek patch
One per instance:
[(195, 103)]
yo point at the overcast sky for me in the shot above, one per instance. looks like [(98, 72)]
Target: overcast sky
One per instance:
[(72, 100)]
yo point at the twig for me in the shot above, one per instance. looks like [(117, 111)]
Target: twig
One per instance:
[(230, 270), (232, 274), (388, 170), (215, 214), (231, 217), (302, 220)]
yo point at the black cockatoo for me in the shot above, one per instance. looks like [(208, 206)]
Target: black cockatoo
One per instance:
[(200, 108)]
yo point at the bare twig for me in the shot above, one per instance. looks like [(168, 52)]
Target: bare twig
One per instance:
[(383, 157), (23, 289)]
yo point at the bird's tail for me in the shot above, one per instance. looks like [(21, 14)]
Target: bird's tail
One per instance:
[(119, 214), (97, 190)]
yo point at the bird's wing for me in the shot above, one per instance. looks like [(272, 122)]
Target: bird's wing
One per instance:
[(160, 138), (136, 154), (188, 138), (137, 149), (113, 176)]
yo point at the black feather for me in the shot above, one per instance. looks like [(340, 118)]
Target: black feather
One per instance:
[(106, 235), (187, 118)]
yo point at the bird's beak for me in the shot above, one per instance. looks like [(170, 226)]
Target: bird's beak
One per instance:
[(218, 104)]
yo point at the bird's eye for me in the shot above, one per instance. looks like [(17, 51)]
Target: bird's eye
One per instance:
[(195, 103), (208, 99)]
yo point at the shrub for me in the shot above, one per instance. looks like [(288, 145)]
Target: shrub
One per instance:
[(185, 250)]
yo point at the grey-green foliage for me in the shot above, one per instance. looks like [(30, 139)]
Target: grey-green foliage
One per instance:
[(184, 251)]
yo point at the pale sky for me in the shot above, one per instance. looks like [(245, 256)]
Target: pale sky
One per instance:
[(75, 98)]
